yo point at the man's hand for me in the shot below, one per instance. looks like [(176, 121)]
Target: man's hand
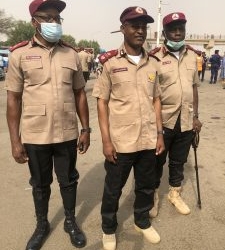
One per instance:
[(160, 146), (83, 143), (19, 153), (196, 125), (109, 152)]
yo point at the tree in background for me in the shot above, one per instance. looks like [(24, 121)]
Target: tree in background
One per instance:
[(21, 31), (90, 44), (69, 39), (6, 23)]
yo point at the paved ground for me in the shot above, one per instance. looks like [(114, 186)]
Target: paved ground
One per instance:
[(201, 230)]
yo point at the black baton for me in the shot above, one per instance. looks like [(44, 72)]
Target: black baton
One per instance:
[(195, 142)]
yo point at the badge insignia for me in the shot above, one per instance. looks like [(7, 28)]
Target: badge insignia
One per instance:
[(175, 16), (151, 77), (139, 10)]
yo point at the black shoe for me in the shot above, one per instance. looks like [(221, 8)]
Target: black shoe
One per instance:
[(77, 237), (39, 236)]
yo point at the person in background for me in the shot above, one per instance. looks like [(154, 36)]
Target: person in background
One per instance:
[(215, 61), (91, 59), (199, 63), (85, 60), (129, 113), (45, 93), (204, 64), (178, 80), (222, 72)]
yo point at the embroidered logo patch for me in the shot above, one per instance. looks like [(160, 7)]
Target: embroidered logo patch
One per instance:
[(119, 70)]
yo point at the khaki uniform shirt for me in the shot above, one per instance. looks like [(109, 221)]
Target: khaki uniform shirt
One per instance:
[(85, 59), (47, 79), (176, 79), (130, 89)]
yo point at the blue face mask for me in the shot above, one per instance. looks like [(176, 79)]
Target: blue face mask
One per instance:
[(51, 32), (175, 45)]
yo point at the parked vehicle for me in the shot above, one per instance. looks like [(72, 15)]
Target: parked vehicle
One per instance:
[(2, 75)]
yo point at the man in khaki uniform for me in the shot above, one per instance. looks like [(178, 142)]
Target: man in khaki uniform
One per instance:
[(130, 122), (45, 90), (178, 79), (85, 60)]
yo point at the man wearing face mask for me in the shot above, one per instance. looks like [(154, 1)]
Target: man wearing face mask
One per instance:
[(45, 94), (178, 79)]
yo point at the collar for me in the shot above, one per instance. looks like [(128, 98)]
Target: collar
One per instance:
[(123, 53), (166, 51), (36, 42)]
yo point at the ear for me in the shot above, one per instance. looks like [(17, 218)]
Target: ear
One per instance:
[(34, 22), (122, 28)]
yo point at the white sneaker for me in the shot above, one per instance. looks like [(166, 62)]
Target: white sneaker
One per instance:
[(109, 241), (155, 210), (175, 198), (150, 234)]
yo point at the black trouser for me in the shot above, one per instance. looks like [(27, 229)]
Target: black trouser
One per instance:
[(42, 158), (214, 74), (203, 73), (177, 146), (86, 75), (143, 163)]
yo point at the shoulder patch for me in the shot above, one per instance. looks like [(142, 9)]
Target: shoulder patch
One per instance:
[(106, 56), (193, 49), (67, 45), (153, 51), (156, 58), (18, 45)]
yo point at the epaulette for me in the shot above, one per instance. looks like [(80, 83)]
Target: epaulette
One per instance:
[(188, 47), (153, 51), (18, 45), (106, 56), (67, 45)]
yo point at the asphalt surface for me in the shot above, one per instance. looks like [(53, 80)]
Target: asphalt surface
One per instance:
[(203, 229)]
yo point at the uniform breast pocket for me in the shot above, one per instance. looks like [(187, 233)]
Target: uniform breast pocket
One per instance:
[(191, 69), (33, 71), (121, 84), (34, 118), (68, 68), (167, 76)]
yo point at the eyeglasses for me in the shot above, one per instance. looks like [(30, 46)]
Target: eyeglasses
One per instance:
[(137, 26), (50, 19)]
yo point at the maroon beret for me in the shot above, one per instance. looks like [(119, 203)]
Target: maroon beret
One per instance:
[(175, 16), (35, 5), (135, 12)]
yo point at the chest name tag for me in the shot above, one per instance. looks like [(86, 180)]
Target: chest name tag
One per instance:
[(166, 62), (120, 70), (33, 57)]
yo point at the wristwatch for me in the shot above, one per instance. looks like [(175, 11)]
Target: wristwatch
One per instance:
[(195, 115), (85, 130)]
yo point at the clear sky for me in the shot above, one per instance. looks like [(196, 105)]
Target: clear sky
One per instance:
[(95, 19)]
